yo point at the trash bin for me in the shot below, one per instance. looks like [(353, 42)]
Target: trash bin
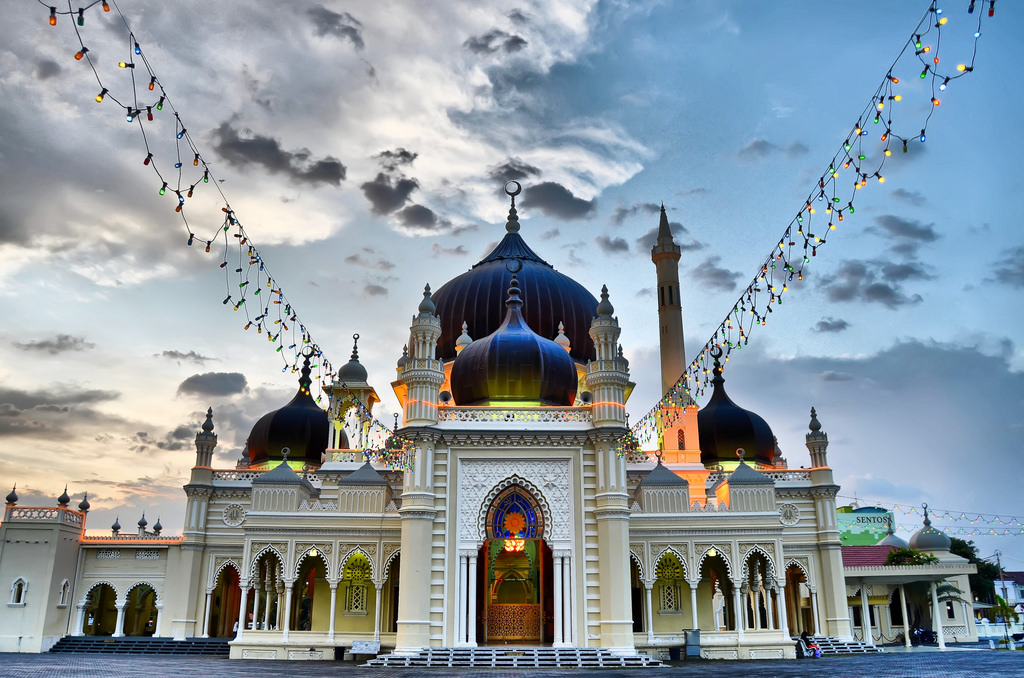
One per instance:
[(675, 653), (692, 639)]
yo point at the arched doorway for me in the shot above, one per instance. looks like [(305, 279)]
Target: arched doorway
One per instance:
[(100, 617), (799, 608), (716, 588), (515, 572), (759, 610), (140, 612), (311, 604), (224, 603), (265, 595)]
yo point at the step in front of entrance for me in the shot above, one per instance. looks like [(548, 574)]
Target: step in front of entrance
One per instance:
[(519, 657), (205, 647)]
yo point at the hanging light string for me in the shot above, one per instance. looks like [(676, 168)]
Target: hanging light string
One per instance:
[(978, 524), (251, 288), (860, 159)]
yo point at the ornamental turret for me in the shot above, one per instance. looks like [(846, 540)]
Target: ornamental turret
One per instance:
[(817, 442), (607, 376), (349, 389), (206, 441), (423, 374)]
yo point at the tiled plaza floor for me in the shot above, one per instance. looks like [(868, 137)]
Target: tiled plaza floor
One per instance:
[(956, 663)]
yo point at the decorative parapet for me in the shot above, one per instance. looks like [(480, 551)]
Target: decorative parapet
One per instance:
[(46, 513), (249, 475), (513, 415), (346, 456), (777, 476), (128, 539), (317, 505)]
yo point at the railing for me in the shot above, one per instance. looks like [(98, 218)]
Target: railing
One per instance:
[(777, 476), (58, 514), (526, 415), (244, 475)]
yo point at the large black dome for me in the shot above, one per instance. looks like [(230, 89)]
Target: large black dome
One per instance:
[(477, 298), (301, 426), (514, 365), (724, 426)]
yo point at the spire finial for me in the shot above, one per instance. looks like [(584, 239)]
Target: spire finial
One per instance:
[(815, 425), (12, 498), (355, 346), (604, 307), (927, 520), (63, 499), (427, 304), (285, 451), (514, 300), (208, 424), (512, 189), (83, 505)]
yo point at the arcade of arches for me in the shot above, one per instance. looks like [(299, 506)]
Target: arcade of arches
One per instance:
[(105, 614)]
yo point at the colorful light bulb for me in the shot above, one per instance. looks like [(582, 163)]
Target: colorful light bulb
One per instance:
[(149, 157), (103, 93), (163, 189), (81, 53), (53, 16), (149, 113), (152, 83), (195, 161), (137, 49), (81, 17), (182, 132), (160, 104)]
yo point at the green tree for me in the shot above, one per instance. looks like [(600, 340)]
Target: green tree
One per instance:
[(909, 556), (983, 582)]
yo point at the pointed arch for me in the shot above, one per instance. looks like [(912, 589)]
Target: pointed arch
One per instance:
[(530, 489), (269, 548), (354, 551), (793, 562), (754, 550), (139, 583), (635, 557), (215, 574), (677, 554), (320, 555), (64, 593), (92, 587), (719, 553), (387, 563), (19, 591)]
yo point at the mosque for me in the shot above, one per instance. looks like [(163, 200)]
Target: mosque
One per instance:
[(519, 517)]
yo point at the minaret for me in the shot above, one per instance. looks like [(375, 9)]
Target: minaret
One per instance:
[(349, 389), (665, 255), (424, 373), (206, 442), (817, 442), (607, 377)]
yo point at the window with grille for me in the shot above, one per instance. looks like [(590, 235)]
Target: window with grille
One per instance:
[(18, 590)]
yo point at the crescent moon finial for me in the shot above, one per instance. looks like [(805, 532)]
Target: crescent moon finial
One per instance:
[(512, 193)]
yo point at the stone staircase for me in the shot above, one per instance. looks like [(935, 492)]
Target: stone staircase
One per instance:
[(204, 647), (516, 657), (830, 645)]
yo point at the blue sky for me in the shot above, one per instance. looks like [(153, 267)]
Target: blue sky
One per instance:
[(363, 146)]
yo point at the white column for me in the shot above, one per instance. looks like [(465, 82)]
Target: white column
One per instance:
[(865, 615), (206, 615), (278, 587), (256, 604), (334, 607), (737, 605), (557, 563), (937, 617), (462, 599), (243, 608), (376, 613), (266, 606), (814, 611), (780, 599), (567, 612), (159, 618), (649, 610), (906, 623), (471, 620), (693, 605), (287, 611), (769, 612), (79, 620), (119, 625)]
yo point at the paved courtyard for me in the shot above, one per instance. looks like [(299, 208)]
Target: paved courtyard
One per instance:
[(956, 663)]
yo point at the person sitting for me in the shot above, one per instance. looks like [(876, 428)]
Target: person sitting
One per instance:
[(812, 648)]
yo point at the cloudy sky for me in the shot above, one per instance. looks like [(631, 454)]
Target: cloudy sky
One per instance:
[(363, 146)]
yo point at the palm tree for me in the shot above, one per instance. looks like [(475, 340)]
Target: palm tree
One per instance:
[(1005, 611)]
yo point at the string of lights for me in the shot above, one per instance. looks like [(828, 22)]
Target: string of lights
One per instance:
[(952, 521), (888, 127), (251, 289)]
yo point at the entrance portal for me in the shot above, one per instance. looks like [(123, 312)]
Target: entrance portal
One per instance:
[(515, 572)]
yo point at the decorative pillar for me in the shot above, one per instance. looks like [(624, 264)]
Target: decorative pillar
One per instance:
[(865, 615), (266, 607), (557, 599), (461, 599), (769, 612), (693, 604), (159, 618), (278, 588), (649, 611), (471, 620), (256, 604), (119, 624), (937, 617), (376, 613), (334, 607), (206, 615), (780, 599), (737, 606), (814, 611), (287, 611), (243, 608), (567, 614), (79, 620)]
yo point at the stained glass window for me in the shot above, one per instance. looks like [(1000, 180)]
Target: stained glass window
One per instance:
[(514, 514)]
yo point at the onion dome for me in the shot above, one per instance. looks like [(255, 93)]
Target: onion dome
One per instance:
[(404, 360), (84, 505), (465, 340), (143, 522), (929, 538), (301, 426), (158, 528), (514, 364), (64, 499), (116, 527), (890, 539), (724, 427), (208, 424), (352, 371), (12, 496), (475, 297)]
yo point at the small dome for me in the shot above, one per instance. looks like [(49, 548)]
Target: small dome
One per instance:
[(514, 364), (890, 539), (723, 427), (561, 339), (605, 308), (208, 424), (63, 499), (84, 505), (929, 538), (143, 522), (549, 297), (301, 425), (12, 496), (158, 528), (464, 339), (116, 527), (352, 371), (427, 305)]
